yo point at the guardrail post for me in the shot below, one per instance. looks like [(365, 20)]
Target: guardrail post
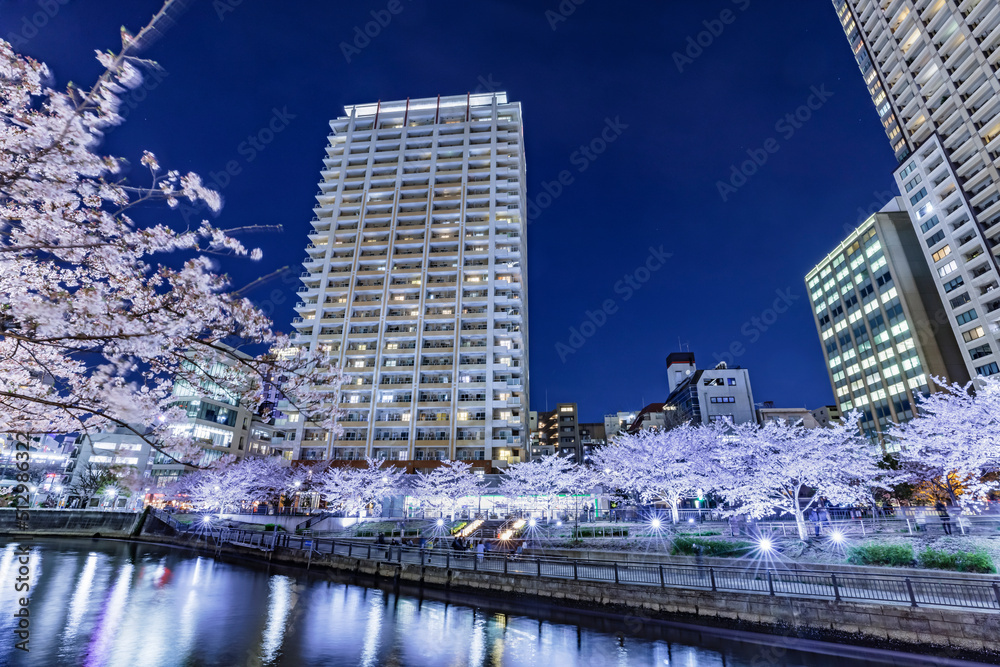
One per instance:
[(711, 575), (996, 591), (350, 550), (616, 572), (663, 581), (770, 582), (505, 566), (909, 588), (421, 558), (576, 575), (369, 552), (836, 588), (447, 560)]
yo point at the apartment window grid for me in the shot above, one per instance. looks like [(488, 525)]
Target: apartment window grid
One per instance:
[(935, 61), (414, 281), (871, 354)]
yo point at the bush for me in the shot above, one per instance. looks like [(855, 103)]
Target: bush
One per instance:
[(704, 533), (960, 561), (689, 546), (892, 555), (272, 527)]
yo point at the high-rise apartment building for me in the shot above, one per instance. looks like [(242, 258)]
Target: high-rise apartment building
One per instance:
[(883, 328), (414, 280), (931, 68), (559, 433)]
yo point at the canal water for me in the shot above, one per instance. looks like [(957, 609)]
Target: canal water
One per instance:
[(95, 603)]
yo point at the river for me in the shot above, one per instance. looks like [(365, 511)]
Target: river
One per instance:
[(106, 603)]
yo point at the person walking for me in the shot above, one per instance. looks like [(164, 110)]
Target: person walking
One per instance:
[(945, 517), (814, 517), (480, 551), (734, 525)]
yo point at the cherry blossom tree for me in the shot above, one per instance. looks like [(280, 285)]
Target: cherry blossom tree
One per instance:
[(443, 487), (100, 313), (659, 466), (784, 468), (352, 490), (542, 480), (954, 444)]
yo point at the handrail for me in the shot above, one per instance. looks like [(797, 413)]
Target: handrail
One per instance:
[(916, 590)]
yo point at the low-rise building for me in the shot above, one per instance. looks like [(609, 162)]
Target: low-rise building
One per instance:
[(703, 396)]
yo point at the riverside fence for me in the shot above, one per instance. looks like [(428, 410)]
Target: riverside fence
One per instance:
[(975, 594)]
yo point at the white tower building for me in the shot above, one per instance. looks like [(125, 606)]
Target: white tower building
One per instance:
[(931, 68), (414, 280)]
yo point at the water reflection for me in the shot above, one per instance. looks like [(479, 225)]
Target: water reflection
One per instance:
[(118, 605)]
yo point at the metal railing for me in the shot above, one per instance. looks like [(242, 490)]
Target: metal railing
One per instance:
[(915, 591)]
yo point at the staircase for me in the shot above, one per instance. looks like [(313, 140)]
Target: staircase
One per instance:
[(312, 521)]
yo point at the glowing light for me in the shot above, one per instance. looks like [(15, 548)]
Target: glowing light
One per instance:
[(440, 522), (690, 520), (206, 519), (765, 544), (531, 523), (656, 523), (558, 523), (837, 537)]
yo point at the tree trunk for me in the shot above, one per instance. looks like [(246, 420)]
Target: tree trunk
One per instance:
[(800, 523), (675, 510)]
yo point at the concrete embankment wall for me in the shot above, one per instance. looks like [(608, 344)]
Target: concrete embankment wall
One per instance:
[(290, 522), (974, 631), (82, 523)]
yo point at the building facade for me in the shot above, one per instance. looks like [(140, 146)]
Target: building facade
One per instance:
[(883, 329), (414, 281), (931, 68), (559, 433), (618, 423), (703, 396)]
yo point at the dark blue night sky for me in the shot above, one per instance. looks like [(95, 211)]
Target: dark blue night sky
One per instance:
[(232, 67)]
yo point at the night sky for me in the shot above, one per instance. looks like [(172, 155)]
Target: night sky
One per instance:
[(232, 67)]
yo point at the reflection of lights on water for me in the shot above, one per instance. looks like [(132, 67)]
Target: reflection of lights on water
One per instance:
[(103, 636), (373, 628), (277, 613), (78, 605)]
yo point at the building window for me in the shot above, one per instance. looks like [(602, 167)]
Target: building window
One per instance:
[(732, 382), (948, 269), (967, 316), (942, 253), (980, 352), (961, 300), (917, 197), (953, 285), (723, 399), (935, 239), (973, 334), (930, 224), (988, 369)]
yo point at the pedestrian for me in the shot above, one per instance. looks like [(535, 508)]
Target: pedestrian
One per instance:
[(945, 517), (423, 541), (734, 525), (824, 517), (381, 538), (480, 551), (921, 519), (814, 517)]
